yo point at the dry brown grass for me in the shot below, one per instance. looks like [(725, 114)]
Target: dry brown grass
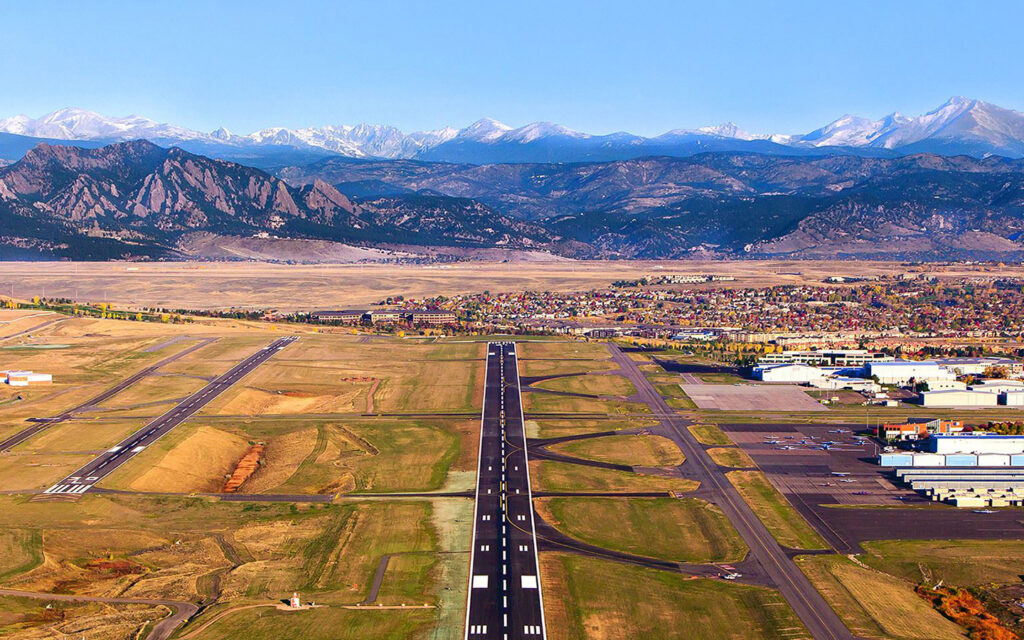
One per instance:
[(283, 456), (178, 285), (199, 463), (874, 604)]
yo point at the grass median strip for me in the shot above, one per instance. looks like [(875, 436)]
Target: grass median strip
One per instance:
[(646, 603), (730, 457), (782, 520), (680, 530), (548, 475), (709, 434), (635, 450)]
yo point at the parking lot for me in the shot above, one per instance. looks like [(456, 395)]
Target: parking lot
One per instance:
[(833, 481), (752, 397)]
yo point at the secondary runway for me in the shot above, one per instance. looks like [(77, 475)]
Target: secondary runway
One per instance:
[(82, 480), (39, 424), (809, 605), (505, 599)]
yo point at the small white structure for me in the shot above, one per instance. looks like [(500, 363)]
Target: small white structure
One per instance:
[(26, 378), (946, 385), (955, 398), (295, 602)]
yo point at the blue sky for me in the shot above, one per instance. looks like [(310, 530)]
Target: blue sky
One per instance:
[(643, 67)]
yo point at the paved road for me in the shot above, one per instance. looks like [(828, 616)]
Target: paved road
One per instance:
[(33, 329), (82, 480), (505, 598), (814, 612), (160, 631), (44, 423)]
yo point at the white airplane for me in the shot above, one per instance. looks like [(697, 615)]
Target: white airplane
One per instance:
[(985, 511)]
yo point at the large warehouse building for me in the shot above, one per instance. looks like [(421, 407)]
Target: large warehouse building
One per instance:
[(903, 371), (959, 398)]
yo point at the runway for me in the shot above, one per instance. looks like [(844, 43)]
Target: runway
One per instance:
[(82, 480), (40, 424), (505, 600), (812, 609)]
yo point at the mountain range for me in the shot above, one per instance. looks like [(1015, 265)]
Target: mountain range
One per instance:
[(139, 200), (961, 126)]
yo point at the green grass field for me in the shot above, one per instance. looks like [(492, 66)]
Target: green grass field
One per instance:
[(589, 598), (548, 475), (730, 457), (682, 530), (548, 403), (709, 434), (782, 520), (596, 385), (559, 427), (963, 563), (328, 552), (634, 450)]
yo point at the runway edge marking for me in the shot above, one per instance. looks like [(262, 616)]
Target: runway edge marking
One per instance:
[(529, 495), (476, 498)]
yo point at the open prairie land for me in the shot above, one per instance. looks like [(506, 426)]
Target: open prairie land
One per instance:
[(249, 285)]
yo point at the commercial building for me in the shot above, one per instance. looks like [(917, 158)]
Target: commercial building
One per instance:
[(841, 383), (992, 487), (978, 366), (916, 429), (1012, 398), (431, 316), (977, 443), (25, 378), (386, 316), (902, 372), (345, 316), (788, 373), (998, 386), (826, 357), (958, 398)]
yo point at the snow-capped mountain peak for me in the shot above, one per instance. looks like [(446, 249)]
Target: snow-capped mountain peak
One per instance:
[(725, 130), (484, 130), (959, 125), (538, 130)]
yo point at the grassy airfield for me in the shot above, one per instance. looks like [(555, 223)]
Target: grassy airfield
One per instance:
[(338, 417)]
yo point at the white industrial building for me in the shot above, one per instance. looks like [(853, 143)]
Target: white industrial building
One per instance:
[(959, 398), (25, 378), (1012, 398), (968, 487), (789, 373), (998, 386), (902, 372), (946, 385), (978, 366), (974, 443), (826, 357), (840, 383)]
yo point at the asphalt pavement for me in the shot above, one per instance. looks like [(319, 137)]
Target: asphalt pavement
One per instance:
[(40, 424), (85, 478), (819, 618), (505, 599)]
